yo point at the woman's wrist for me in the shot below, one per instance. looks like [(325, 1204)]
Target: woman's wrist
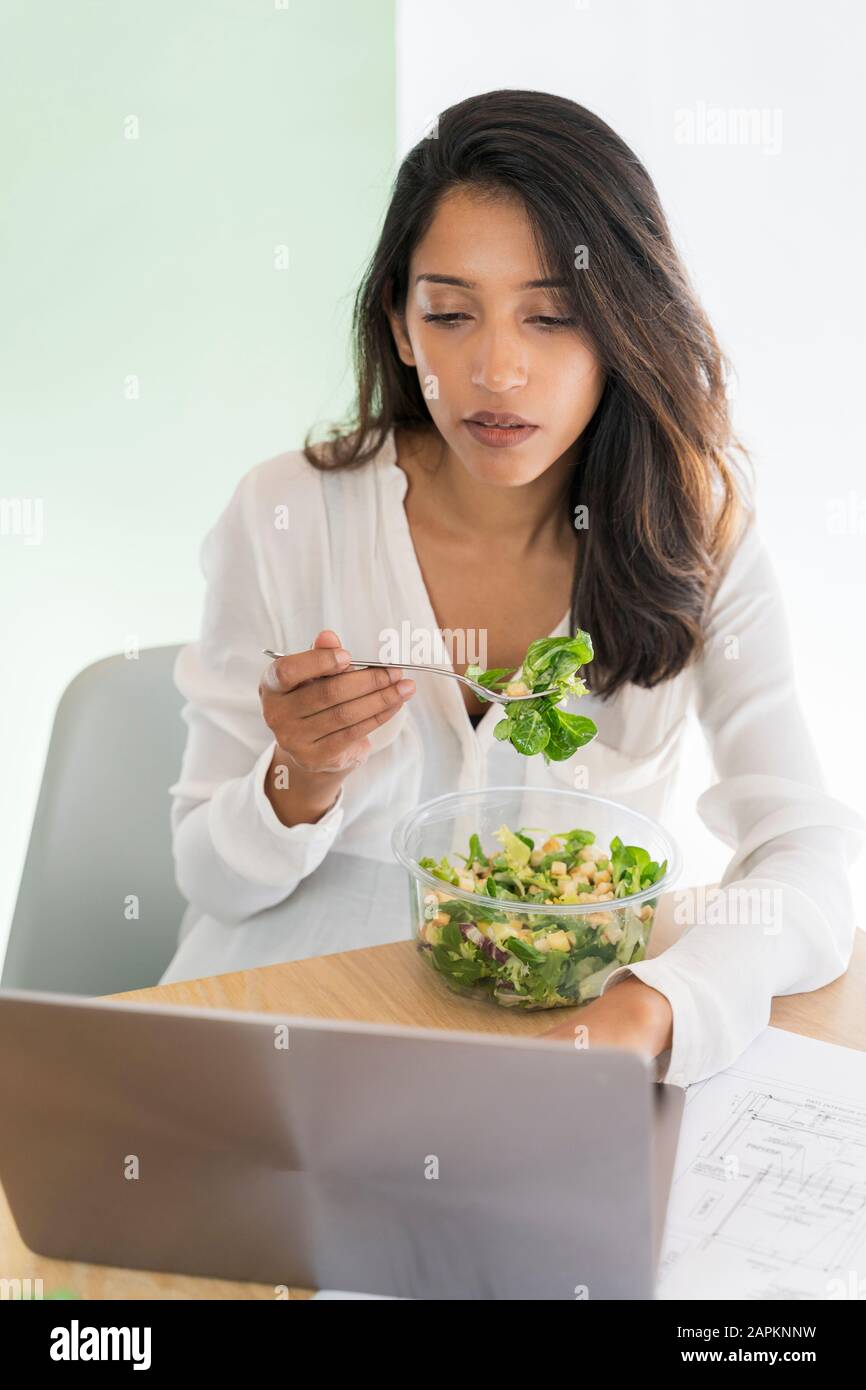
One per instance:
[(650, 1012), (300, 798), (630, 1015)]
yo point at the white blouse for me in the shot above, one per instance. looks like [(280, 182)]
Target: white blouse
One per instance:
[(297, 550)]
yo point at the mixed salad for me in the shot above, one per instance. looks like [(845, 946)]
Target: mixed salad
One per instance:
[(522, 955), (539, 726)]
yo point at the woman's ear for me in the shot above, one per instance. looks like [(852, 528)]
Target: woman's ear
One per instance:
[(398, 328)]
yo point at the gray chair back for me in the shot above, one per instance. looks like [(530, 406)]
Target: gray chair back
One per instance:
[(98, 909)]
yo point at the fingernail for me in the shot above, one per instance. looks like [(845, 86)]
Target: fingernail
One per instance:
[(340, 655), (405, 686)]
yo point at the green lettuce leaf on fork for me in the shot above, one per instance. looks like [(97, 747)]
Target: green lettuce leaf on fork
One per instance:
[(539, 726)]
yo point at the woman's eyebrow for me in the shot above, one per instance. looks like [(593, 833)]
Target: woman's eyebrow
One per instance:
[(473, 285)]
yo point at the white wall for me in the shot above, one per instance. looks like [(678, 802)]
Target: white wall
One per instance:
[(176, 277), (772, 232)]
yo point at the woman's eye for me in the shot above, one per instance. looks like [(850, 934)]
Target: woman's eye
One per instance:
[(545, 321)]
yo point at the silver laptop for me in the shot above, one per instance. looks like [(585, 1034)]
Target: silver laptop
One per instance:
[(298, 1152)]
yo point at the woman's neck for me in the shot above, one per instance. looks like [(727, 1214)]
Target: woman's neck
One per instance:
[(446, 494)]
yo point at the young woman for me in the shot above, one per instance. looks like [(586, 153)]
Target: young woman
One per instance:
[(529, 355)]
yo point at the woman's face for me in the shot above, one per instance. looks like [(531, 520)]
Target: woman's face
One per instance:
[(503, 347)]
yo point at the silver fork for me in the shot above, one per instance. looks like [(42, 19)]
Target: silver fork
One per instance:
[(498, 697)]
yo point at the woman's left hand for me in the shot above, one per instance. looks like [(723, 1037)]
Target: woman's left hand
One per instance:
[(631, 1015)]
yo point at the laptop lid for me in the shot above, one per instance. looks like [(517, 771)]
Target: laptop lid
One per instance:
[(316, 1153)]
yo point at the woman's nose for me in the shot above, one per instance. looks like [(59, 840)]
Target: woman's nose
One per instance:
[(500, 363)]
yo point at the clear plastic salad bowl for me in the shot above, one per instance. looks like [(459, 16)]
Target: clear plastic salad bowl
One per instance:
[(531, 954)]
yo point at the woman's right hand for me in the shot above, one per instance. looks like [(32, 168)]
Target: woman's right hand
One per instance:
[(320, 711)]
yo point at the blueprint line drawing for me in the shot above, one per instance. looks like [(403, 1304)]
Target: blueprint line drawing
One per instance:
[(769, 1191)]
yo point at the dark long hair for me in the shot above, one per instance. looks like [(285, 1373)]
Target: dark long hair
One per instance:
[(654, 466)]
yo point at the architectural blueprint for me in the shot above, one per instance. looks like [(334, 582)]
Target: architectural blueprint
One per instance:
[(769, 1193)]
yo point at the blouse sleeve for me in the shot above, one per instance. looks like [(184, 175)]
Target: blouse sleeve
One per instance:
[(782, 919), (233, 856)]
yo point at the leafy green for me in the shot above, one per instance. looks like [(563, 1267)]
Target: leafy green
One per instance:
[(489, 678), (476, 854), (631, 868), (539, 726), (524, 951), (517, 848), (495, 889), (441, 870), (575, 839), (527, 729), (451, 936), (458, 969)]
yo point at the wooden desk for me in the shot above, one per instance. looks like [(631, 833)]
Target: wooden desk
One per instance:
[(383, 984)]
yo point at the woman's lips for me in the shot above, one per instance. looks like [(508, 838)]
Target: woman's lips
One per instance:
[(499, 436)]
